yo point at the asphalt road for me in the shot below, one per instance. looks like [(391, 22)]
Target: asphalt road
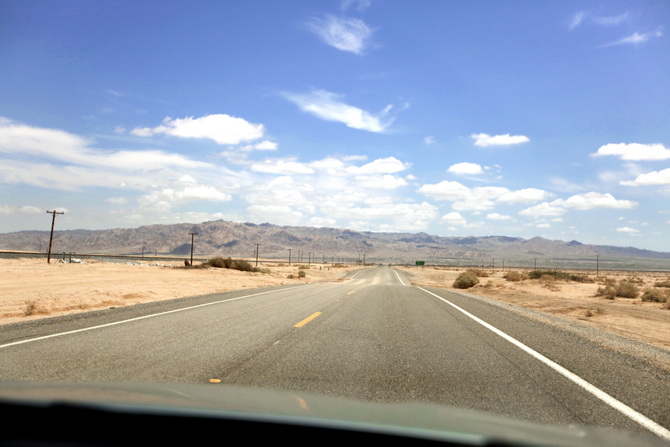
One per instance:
[(372, 337)]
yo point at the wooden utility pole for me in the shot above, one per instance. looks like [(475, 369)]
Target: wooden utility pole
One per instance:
[(257, 254), (289, 257), (192, 236), (51, 238)]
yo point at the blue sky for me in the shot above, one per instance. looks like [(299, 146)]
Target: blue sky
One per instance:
[(456, 118)]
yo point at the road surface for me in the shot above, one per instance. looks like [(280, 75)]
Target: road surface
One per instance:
[(371, 337)]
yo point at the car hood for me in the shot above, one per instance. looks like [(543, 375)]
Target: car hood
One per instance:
[(408, 419)]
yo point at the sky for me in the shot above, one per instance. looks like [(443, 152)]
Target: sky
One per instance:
[(454, 118)]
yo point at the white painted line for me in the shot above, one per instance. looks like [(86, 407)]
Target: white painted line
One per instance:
[(399, 278), (597, 392), (139, 318)]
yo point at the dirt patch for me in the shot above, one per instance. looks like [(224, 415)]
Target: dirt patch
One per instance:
[(32, 289), (644, 321)]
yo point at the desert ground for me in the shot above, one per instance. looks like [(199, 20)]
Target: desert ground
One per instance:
[(33, 289)]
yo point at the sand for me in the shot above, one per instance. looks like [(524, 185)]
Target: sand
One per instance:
[(644, 321), (32, 289)]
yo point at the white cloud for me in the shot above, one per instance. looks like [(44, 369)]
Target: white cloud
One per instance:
[(611, 20), (628, 230), (118, 200), (484, 140), (543, 209), (496, 216), (651, 178), (344, 33), (445, 190), (634, 151), (586, 201), (480, 198), (281, 166), (164, 199), (27, 209), (265, 145), (380, 181), (592, 200), (454, 218), (465, 168), (429, 140), (526, 195), (222, 128), (576, 20), (327, 106), (389, 165), (635, 38)]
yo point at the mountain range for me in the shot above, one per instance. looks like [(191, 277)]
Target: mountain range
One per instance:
[(309, 244)]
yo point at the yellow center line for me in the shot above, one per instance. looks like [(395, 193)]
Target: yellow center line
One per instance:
[(308, 319), (353, 291)]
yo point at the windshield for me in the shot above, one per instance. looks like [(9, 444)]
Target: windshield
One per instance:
[(326, 144)]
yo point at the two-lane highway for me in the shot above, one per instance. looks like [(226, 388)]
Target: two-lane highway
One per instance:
[(372, 337)]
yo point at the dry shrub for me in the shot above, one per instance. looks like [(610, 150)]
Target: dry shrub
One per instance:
[(466, 280), (607, 291), (655, 295), (480, 273), (515, 276), (301, 274), (627, 289)]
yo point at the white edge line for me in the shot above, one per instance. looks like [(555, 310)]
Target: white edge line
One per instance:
[(401, 281), (597, 392), (29, 340)]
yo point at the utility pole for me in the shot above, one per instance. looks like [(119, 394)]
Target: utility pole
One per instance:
[(51, 238), (192, 236), (289, 257), (257, 254)]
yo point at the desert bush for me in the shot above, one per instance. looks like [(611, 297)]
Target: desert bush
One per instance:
[(654, 295), (480, 273), (235, 264), (662, 284), (607, 291), (301, 274), (515, 276), (303, 267), (466, 280), (626, 289), (558, 275)]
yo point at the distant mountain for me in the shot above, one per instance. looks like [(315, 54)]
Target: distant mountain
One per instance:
[(222, 238)]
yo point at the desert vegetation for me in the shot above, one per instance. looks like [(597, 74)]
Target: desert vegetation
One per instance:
[(235, 264)]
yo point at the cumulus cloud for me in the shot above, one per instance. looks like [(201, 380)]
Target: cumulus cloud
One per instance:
[(465, 168), (27, 209), (634, 151), (329, 107), (480, 198), (496, 216), (343, 33), (454, 218), (651, 178), (592, 200), (388, 165), (586, 201), (222, 128), (526, 195), (485, 140), (282, 166), (543, 209)]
